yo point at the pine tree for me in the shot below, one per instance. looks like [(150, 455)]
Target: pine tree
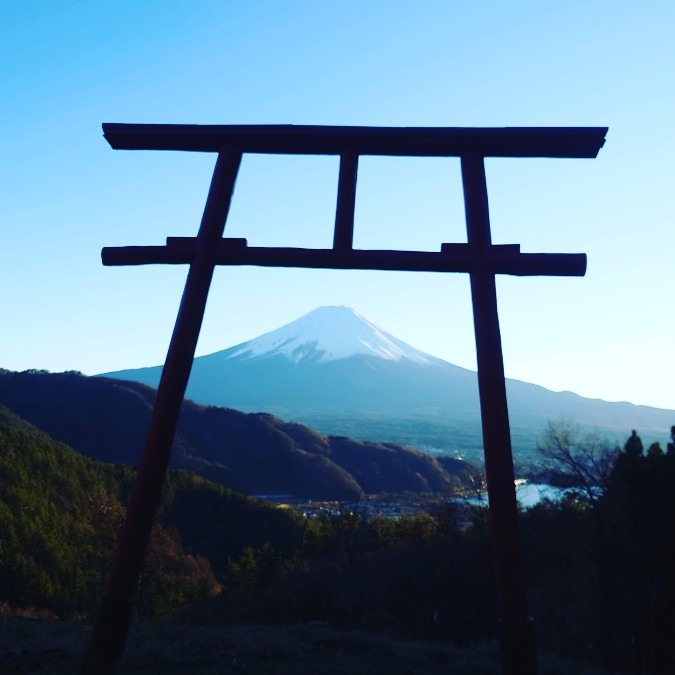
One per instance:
[(633, 447)]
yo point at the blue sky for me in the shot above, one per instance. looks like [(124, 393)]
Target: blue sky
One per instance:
[(66, 67)]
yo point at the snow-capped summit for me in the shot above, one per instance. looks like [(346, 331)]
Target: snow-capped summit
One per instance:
[(329, 334)]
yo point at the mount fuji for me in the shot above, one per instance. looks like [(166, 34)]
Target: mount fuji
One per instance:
[(329, 334), (338, 372)]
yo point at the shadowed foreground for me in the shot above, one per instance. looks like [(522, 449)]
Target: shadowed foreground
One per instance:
[(55, 647)]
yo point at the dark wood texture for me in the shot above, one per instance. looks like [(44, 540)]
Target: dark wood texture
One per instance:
[(457, 258), (107, 643), (292, 139), (343, 238), (518, 655)]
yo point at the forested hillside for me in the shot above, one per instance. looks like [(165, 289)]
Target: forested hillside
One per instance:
[(60, 514), (107, 420)]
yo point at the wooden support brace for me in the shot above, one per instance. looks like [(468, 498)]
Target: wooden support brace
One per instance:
[(453, 258)]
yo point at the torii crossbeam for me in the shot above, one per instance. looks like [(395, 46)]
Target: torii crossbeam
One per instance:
[(481, 259)]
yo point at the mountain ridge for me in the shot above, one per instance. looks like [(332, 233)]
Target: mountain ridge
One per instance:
[(408, 397), (255, 453)]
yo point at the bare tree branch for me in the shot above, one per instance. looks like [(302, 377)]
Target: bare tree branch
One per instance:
[(579, 461)]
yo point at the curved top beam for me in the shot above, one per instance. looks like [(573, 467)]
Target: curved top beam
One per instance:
[(290, 139)]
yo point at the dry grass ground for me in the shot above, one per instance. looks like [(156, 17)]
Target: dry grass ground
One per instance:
[(55, 647)]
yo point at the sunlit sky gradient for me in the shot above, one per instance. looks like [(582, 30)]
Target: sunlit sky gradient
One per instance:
[(66, 67)]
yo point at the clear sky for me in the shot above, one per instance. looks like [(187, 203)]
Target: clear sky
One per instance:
[(67, 66)]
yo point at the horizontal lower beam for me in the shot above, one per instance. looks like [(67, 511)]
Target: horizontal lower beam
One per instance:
[(290, 139), (503, 260)]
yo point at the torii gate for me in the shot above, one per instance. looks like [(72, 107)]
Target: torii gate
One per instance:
[(481, 259)]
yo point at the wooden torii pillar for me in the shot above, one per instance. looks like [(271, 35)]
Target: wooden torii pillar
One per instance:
[(481, 259)]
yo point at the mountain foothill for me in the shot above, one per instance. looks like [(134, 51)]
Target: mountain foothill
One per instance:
[(61, 513), (253, 453)]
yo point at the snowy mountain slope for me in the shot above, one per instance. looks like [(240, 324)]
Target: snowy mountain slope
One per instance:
[(329, 360), (338, 372), (329, 334)]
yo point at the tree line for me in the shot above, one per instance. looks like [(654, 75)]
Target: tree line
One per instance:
[(600, 564)]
